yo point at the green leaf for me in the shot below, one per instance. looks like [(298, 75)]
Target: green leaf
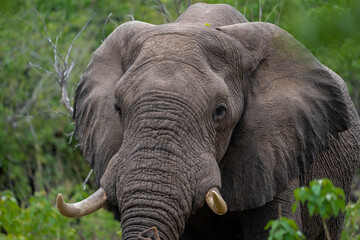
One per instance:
[(294, 207), (319, 201), (283, 229), (300, 194), (322, 210), (335, 208), (316, 189), (269, 224), (279, 234), (311, 207)]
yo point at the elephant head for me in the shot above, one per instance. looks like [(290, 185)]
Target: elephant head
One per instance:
[(168, 115)]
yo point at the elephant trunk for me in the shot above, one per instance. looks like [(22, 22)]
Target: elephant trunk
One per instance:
[(139, 221), (154, 194), (151, 233), (163, 170), (160, 211)]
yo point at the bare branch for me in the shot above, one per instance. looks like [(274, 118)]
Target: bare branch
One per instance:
[(278, 17), (162, 9), (245, 6), (87, 179), (106, 21), (260, 10), (61, 65), (38, 67), (70, 135), (131, 16), (179, 3), (178, 7), (272, 11), (77, 36)]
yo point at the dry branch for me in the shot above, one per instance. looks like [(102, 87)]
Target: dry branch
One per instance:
[(160, 7), (62, 65)]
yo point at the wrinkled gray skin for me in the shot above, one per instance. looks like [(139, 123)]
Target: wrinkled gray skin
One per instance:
[(236, 105)]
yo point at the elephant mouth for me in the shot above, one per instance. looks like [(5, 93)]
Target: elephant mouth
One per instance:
[(98, 200)]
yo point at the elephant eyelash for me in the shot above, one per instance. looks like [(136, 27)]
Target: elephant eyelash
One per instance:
[(117, 108)]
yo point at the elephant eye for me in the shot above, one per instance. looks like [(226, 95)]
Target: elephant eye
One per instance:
[(117, 109), (219, 113)]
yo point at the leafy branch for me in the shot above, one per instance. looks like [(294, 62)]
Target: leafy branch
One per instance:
[(321, 198)]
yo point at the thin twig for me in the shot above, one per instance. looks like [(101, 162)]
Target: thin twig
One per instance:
[(246, 3), (77, 36), (272, 10), (106, 21), (47, 37), (70, 135), (278, 18), (326, 229), (260, 10), (62, 66), (132, 18), (178, 7), (162, 9), (87, 179), (38, 67)]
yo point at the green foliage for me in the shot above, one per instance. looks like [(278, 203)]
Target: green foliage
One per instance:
[(321, 198), (41, 220), (322, 22), (331, 30), (351, 229), (284, 229)]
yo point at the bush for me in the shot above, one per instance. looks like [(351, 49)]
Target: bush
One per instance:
[(41, 220), (284, 229), (351, 229), (321, 198)]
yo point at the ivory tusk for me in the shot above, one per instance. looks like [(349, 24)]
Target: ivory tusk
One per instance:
[(87, 206), (216, 202)]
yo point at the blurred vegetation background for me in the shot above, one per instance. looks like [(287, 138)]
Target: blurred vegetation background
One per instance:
[(39, 157)]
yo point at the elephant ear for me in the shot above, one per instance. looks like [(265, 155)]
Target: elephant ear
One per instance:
[(292, 105), (97, 127)]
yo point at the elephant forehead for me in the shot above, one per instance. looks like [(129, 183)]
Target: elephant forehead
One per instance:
[(188, 43), (199, 84), (176, 57)]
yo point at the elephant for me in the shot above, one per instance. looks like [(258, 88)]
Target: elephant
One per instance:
[(202, 128)]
